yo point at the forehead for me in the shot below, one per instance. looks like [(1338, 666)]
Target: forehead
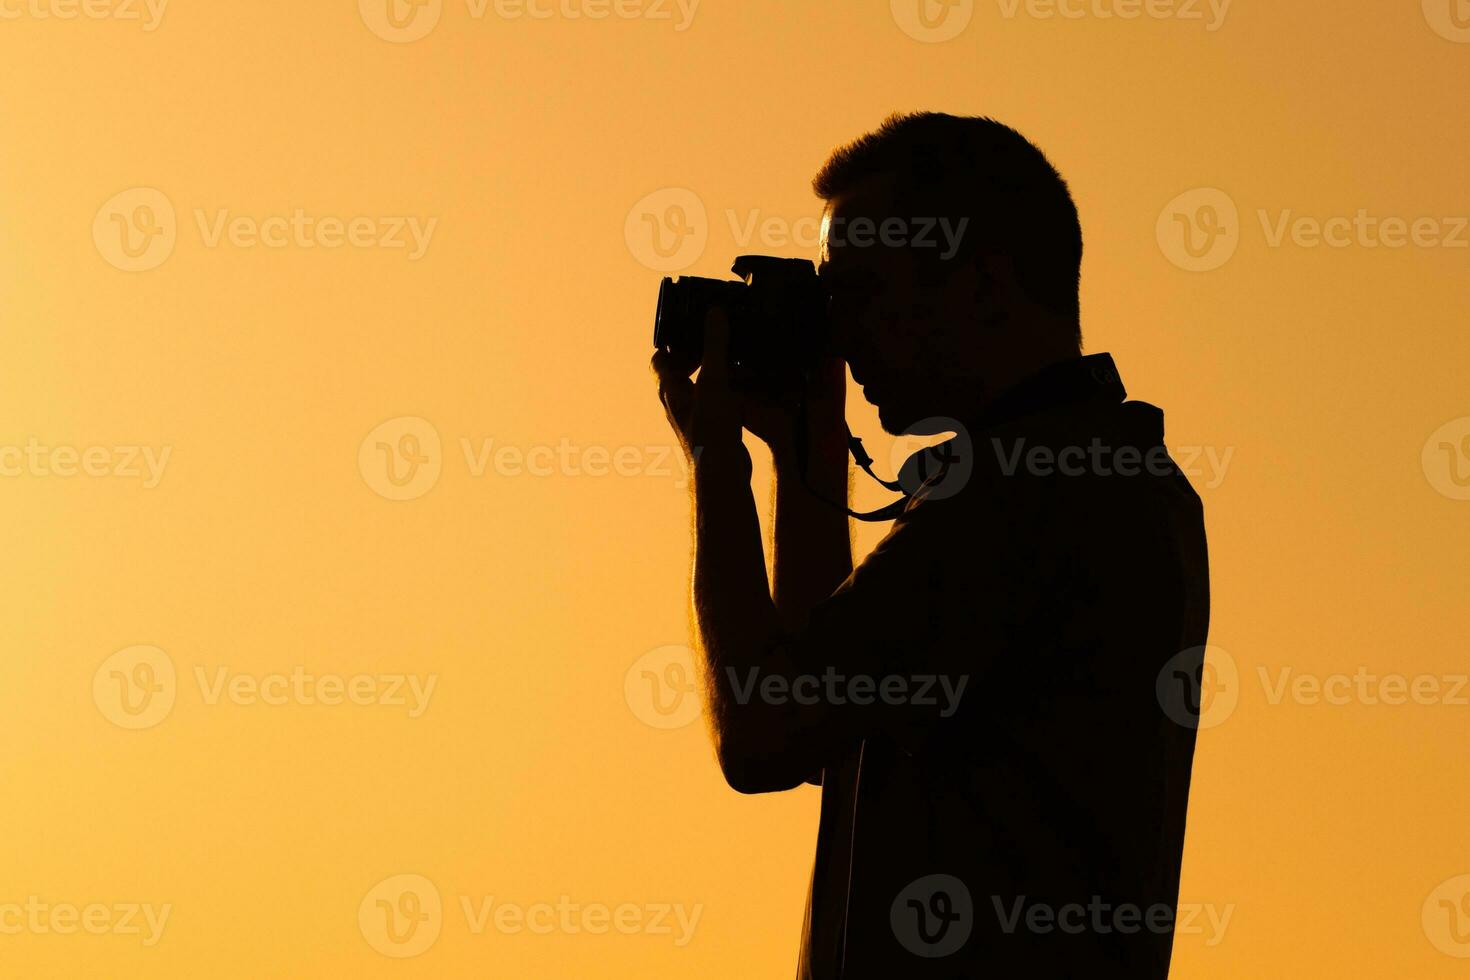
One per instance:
[(871, 198)]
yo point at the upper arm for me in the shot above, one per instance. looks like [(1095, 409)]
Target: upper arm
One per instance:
[(850, 671)]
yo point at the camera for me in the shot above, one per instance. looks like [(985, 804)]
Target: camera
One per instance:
[(777, 312)]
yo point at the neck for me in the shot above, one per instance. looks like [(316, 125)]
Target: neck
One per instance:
[(1003, 371)]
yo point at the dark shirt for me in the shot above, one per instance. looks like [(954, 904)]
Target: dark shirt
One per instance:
[(1055, 575)]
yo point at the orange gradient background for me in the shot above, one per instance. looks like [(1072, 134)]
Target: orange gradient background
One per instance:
[(531, 775)]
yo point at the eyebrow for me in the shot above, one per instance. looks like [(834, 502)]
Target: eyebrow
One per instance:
[(845, 280)]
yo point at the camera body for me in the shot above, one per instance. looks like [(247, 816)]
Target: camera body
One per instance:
[(778, 320)]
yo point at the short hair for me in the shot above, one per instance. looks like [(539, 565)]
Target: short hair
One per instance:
[(972, 166)]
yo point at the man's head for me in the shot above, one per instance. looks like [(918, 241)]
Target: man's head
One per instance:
[(952, 250)]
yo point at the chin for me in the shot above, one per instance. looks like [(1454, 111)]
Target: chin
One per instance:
[(907, 418)]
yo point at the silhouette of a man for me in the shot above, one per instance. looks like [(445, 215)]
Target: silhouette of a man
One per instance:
[(983, 699)]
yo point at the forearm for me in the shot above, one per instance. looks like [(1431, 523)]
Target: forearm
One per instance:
[(762, 747), (737, 619), (813, 547)]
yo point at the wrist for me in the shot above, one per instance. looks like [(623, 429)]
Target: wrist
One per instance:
[(721, 459), (829, 456), (825, 475)]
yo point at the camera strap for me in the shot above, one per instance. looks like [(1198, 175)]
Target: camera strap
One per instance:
[(865, 463)]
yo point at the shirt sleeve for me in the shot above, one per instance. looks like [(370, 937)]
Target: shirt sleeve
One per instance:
[(893, 649)]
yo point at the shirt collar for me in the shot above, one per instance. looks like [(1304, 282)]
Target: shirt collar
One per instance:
[(1074, 381)]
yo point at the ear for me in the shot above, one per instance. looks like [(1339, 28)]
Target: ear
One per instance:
[(997, 271), (995, 287)]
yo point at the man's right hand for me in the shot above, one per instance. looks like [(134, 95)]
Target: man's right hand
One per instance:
[(773, 420), (707, 412)]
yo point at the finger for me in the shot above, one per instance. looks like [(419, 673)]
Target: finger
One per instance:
[(677, 395), (715, 367), (675, 389), (828, 378), (772, 401), (668, 365)]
